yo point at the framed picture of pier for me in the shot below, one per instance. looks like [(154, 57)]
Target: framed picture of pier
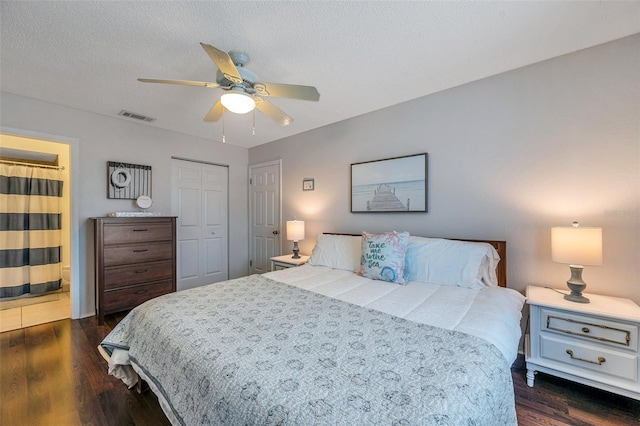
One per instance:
[(396, 184)]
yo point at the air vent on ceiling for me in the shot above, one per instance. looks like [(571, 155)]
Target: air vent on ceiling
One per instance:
[(135, 116)]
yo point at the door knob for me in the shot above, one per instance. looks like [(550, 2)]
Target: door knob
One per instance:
[(275, 232)]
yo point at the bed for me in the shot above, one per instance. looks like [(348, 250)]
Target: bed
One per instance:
[(375, 329)]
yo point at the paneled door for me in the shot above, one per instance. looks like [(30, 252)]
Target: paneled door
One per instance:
[(200, 199), (264, 215)]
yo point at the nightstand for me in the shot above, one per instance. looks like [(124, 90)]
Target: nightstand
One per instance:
[(595, 343), (286, 261)]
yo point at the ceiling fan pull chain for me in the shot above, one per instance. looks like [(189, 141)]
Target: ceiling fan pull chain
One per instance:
[(254, 123), (223, 140)]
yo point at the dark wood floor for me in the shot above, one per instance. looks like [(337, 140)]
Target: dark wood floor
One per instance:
[(52, 374)]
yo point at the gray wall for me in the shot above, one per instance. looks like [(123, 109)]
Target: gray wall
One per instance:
[(510, 156), (100, 139)]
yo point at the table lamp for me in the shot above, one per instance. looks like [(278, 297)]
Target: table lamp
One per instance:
[(295, 233), (576, 246)]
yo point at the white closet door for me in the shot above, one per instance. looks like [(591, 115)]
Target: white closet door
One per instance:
[(200, 200)]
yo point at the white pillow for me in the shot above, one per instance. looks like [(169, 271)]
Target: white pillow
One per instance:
[(337, 251), (449, 262)]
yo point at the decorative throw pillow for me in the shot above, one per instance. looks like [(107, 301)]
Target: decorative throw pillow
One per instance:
[(383, 256)]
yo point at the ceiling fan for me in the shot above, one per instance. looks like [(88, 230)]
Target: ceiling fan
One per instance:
[(242, 90)]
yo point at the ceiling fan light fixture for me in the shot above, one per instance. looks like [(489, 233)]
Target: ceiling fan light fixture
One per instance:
[(242, 92), (238, 102)]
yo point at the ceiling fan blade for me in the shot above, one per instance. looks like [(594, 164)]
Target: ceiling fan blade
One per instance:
[(306, 93), (215, 113), (181, 82), (275, 113), (223, 62)]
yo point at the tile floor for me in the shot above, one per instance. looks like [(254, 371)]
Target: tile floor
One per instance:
[(39, 313)]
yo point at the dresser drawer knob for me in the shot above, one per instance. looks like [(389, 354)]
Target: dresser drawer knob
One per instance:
[(140, 230), (600, 360), (140, 250), (142, 271), (140, 292), (585, 330)]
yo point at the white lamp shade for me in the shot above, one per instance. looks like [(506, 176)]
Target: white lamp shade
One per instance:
[(576, 245), (295, 230), (238, 102)]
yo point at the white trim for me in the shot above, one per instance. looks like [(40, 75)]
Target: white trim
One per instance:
[(173, 157)]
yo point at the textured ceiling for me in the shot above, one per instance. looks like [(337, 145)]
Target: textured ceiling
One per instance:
[(362, 56)]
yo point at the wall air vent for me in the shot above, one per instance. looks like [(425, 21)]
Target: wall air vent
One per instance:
[(135, 116)]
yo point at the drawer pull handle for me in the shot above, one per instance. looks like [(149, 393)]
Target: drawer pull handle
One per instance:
[(140, 292), (600, 360), (554, 323), (142, 271), (140, 230), (140, 251)]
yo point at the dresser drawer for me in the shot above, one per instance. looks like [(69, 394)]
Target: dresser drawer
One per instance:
[(123, 276), (616, 334), (140, 253), (590, 358), (120, 300), (137, 233)]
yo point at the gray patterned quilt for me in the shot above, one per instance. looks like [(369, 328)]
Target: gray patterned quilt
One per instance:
[(253, 351)]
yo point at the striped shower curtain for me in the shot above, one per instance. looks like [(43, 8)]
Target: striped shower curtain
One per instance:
[(29, 230)]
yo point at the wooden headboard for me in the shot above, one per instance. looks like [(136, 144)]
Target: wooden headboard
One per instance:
[(500, 246)]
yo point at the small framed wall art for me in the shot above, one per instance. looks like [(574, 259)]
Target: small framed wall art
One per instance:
[(308, 184)]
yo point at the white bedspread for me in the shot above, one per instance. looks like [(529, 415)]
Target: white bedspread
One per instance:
[(492, 314)]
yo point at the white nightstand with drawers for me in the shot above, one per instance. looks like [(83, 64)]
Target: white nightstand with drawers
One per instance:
[(287, 261), (595, 343)]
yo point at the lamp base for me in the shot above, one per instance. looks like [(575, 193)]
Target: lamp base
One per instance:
[(576, 285), (296, 251), (578, 298)]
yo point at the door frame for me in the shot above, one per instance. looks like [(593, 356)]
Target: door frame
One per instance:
[(278, 163), (75, 264), (173, 207)]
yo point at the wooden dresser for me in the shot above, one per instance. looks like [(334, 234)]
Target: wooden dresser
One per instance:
[(135, 260)]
